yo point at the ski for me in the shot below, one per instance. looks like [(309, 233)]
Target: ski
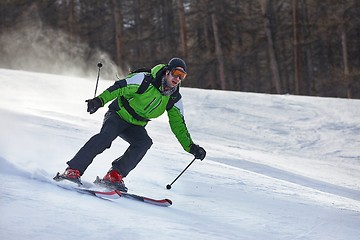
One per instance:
[(110, 194), (114, 194)]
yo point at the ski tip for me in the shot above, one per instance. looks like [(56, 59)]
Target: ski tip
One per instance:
[(169, 201), (164, 202), (57, 177)]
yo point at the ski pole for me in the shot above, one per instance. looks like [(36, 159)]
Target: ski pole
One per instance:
[(169, 185), (98, 76)]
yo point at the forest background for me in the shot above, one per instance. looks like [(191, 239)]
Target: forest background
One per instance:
[(302, 47)]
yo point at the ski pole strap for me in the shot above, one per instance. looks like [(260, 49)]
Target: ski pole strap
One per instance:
[(132, 112)]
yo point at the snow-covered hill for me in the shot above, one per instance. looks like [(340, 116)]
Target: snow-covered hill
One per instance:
[(278, 167)]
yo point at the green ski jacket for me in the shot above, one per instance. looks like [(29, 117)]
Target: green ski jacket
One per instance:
[(139, 107)]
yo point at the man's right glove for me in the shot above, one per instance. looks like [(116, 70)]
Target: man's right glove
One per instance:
[(93, 104), (197, 151)]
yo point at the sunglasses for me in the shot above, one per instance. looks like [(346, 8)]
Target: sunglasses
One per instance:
[(177, 72)]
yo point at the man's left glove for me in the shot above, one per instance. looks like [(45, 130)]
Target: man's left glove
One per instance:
[(93, 104), (197, 151)]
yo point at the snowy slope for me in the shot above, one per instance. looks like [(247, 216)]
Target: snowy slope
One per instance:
[(278, 167)]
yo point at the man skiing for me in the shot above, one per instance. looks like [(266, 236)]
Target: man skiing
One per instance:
[(139, 97)]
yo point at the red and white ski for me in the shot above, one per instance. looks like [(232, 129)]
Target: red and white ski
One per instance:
[(109, 194), (114, 194)]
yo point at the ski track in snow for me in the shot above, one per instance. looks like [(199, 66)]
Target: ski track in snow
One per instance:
[(278, 167)]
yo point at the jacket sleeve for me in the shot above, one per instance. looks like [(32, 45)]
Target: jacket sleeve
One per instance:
[(124, 87), (178, 126)]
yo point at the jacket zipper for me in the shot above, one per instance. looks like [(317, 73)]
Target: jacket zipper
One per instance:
[(158, 104), (147, 106)]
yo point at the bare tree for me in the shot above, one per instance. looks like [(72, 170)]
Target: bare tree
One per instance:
[(297, 49), (266, 11), (119, 44), (307, 41), (218, 52), (183, 35)]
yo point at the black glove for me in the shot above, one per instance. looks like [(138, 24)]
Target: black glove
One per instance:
[(93, 104), (197, 151)]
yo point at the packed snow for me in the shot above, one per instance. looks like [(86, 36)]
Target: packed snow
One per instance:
[(277, 166)]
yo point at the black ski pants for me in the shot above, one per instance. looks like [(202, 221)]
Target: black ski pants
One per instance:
[(114, 126)]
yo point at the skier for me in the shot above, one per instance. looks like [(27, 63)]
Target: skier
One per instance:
[(139, 97)]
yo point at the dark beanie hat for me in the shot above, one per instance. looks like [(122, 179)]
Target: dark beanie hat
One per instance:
[(176, 62)]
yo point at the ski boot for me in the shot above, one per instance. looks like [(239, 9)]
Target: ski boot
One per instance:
[(70, 174), (112, 180)]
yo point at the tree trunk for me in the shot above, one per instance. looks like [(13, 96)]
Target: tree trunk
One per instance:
[(218, 52), (311, 89), (71, 23), (297, 49), (346, 63), (272, 55), (182, 28), (119, 45)]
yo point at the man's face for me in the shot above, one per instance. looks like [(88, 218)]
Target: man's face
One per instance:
[(173, 80)]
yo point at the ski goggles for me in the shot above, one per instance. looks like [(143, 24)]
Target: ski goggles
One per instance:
[(177, 72)]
